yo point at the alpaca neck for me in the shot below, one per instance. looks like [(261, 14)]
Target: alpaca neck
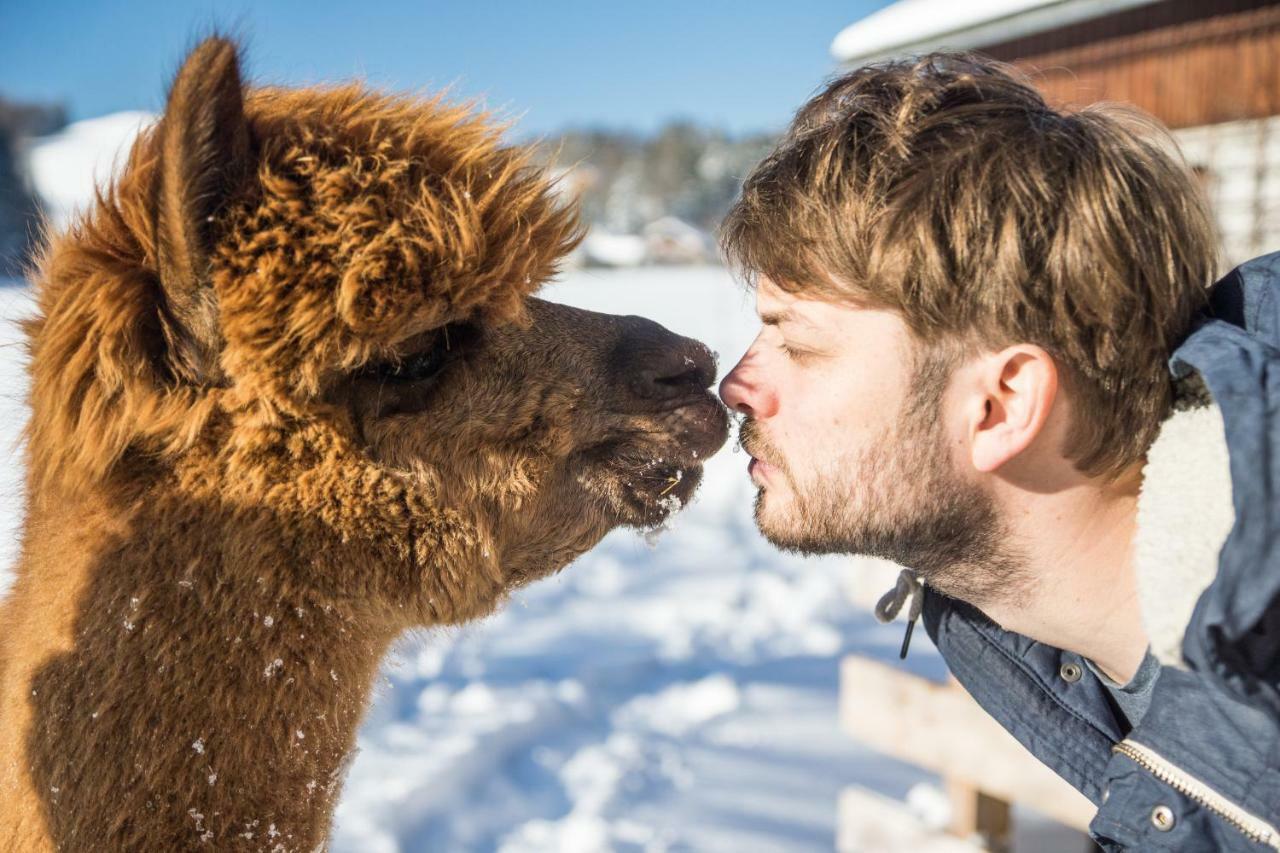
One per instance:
[(204, 688)]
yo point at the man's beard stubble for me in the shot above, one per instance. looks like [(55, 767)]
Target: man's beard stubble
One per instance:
[(901, 500)]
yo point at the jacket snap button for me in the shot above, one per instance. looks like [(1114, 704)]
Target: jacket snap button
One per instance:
[(1162, 818), (1106, 794), (1070, 672)]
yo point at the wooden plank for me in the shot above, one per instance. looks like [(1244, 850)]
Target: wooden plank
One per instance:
[(977, 815), (873, 823), (941, 728)]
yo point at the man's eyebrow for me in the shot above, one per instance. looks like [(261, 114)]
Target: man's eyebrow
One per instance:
[(786, 315), (776, 318)]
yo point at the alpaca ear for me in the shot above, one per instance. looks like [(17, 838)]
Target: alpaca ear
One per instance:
[(204, 148)]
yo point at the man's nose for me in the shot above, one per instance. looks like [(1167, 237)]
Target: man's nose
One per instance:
[(744, 391)]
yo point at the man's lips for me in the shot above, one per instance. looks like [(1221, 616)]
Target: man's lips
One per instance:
[(758, 469), (751, 440)]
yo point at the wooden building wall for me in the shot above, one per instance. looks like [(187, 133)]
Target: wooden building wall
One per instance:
[(1188, 63)]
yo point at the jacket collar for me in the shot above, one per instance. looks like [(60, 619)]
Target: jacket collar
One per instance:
[(1184, 515)]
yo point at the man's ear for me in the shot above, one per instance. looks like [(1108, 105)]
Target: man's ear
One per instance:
[(204, 148), (1008, 404)]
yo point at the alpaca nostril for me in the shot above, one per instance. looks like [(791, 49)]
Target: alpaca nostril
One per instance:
[(681, 380), (679, 372), (655, 364), (666, 387)]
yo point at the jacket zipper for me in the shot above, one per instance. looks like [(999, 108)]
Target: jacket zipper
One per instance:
[(1254, 828)]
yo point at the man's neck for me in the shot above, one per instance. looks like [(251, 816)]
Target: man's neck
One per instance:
[(1078, 545)]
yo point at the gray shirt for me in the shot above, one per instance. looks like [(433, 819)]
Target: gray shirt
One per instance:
[(1132, 699)]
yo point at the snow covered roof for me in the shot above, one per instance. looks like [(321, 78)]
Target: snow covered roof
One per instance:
[(920, 26)]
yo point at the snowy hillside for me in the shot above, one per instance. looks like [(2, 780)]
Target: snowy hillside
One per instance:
[(15, 303), (65, 166)]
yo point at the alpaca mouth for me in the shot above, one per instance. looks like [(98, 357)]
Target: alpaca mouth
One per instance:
[(660, 489), (652, 470)]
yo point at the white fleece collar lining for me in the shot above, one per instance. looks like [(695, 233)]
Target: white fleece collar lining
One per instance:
[(1184, 515)]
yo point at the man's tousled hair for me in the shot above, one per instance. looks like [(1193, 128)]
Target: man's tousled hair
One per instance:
[(947, 189)]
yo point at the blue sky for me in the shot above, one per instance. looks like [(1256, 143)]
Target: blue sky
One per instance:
[(742, 66)]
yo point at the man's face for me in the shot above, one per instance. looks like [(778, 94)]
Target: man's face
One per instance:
[(851, 451)]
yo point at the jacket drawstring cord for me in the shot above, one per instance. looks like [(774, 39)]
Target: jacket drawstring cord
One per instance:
[(890, 604)]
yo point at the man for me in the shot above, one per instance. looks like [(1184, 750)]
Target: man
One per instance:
[(989, 352)]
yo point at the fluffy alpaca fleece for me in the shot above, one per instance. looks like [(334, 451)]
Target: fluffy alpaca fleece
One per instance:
[(211, 565), (1184, 515)]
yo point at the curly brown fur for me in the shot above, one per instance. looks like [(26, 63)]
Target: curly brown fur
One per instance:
[(290, 396)]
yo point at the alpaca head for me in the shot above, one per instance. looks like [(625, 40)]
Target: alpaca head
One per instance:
[(555, 429), (318, 303)]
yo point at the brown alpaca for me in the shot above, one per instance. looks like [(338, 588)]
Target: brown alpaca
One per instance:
[(290, 396)]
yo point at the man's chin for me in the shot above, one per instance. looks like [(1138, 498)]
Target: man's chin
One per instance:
[(765, 510), (777, 525)]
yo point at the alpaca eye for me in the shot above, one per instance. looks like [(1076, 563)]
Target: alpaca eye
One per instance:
[(419, 366), (414, 367), (426, 363)]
